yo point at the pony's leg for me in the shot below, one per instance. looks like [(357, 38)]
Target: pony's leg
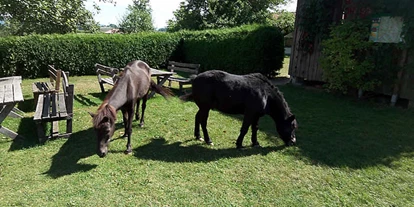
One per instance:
[(137, 110), (197, 126), (255, 127), (125, 119), (144, 105), (247, 120), (203, 121), (130, 112)]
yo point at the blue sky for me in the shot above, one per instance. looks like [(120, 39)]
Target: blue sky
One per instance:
[(162, 10)]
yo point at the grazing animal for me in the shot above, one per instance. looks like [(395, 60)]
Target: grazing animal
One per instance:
[(132, 86), (252, 95)]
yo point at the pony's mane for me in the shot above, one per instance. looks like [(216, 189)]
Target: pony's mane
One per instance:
[(105, 110), (278, 93)]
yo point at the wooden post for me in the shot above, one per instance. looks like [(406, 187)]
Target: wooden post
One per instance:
[(69, 108), (400, 74)]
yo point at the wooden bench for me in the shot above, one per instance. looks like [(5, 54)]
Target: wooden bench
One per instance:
[(46, 87), (54, 105), (106, 75), (188, 68)]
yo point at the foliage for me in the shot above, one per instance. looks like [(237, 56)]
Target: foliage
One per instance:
[(210, 14), (350, 61), (138, 18), (46, 16), (285, 21), (348, 154), (77, 53), (316, 18), (238, 50)]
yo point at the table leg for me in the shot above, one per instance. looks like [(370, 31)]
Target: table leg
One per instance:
[(3, 114), (160, 83)]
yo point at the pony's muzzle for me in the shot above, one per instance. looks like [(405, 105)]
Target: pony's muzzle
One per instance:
[(292, 142), (102, 154)]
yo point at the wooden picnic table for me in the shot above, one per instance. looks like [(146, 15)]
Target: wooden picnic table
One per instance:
[(160, 73), (10, 95)]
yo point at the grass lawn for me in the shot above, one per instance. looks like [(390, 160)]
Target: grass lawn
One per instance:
[(348, 153)]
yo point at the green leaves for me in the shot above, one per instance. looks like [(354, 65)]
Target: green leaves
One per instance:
[(239, 50), (213, 14), (77, 53), (45, 16), (349, 60), (138, 18)]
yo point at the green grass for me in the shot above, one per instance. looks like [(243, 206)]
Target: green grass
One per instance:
[(349, 153)]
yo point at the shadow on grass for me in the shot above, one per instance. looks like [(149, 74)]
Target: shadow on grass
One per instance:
[(27, 129), (158, 149), (80, 145), (85, 101), (28, 105), (101, 96), (338, 132)]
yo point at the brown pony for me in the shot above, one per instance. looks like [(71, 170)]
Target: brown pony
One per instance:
[(132, 86)]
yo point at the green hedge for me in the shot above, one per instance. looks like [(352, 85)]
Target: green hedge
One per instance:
[(77, 53), (239, 50)]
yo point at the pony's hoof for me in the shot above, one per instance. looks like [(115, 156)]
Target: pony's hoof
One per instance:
[(239, 146), (128, 152), (200, 139), (256, 145), (210, 143), (141, 125)]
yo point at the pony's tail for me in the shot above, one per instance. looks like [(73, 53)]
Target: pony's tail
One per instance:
[(187, 97), (165, 92)]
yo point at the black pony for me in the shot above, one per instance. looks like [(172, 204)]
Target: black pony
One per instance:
[(133, 85), (252, 95)]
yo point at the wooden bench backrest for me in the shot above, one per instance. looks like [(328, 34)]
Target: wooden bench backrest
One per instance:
[(106, 70), (54, 77), (183, 67)]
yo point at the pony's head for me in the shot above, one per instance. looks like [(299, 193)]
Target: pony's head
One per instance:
[(286, 129), (104, 126)]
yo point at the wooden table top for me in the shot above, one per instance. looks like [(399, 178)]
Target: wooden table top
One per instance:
[(155, 72), (10, 90)]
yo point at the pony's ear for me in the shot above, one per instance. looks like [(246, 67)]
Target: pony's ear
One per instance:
[(92, 114), (291, 118)]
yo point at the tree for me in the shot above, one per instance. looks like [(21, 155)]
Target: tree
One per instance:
[(208, 14), (285, 21), (138, 17), (45, 16)]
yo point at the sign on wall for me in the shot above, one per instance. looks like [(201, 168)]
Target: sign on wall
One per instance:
[(386, 29)]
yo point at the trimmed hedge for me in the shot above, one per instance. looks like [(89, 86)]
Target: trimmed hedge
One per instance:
[(77, 53), (239, 50)]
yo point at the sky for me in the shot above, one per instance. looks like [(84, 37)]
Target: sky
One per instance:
[(162, 11)]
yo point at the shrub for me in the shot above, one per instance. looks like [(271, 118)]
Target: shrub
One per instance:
[(238, 50), (77, 53)]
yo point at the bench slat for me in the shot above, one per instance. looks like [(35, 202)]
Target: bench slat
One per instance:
[(184, 65), (39, 108), (62, 105), (182, 80), (46, 106), (53, 105), (187, 70)]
